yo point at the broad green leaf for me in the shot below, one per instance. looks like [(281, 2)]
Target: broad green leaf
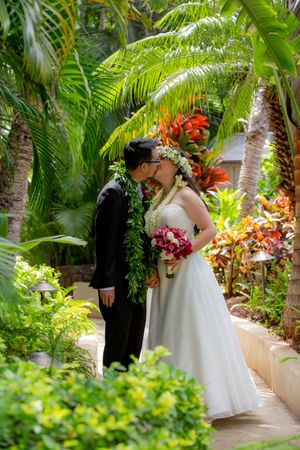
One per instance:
[(7, 246), (229, 7), (4, 20), (3, 224), (274, 33), (295, 44), (260, 57), (291, 23), (241, 18), (55, 239)]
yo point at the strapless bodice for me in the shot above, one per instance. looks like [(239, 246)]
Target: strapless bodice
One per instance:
[(175, 216)]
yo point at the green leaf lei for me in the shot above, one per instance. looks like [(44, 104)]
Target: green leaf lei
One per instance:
[(138, 250)]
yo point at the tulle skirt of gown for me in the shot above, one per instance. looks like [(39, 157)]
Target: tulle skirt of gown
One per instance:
[(189, 316)]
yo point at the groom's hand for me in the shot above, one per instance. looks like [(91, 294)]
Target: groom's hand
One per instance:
[(107, 297)]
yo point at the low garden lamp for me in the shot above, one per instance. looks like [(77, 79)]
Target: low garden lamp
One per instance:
[(262, 257), (42, 287)]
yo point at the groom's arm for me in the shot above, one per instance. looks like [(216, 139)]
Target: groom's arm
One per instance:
[(108, 225)]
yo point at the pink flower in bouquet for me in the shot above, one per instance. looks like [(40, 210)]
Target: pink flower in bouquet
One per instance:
[(171, 243)]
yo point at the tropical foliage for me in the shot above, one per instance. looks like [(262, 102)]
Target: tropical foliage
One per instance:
[(272, 231), (153, 405), (33, 51), (190, 133), (224, 207), (277, 47), (49, 119), (59, 104), (269, 178), (193, 56), (267, 307), (50, 323)]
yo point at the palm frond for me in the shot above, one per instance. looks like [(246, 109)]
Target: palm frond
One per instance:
[(47, 166), (139, 74), (171, 63), (185, 13), (238, 107), (74, 103), (184, 85), (4, 20), (9, 96), (193, 82), (59, 239), (45, 143), (77, 221), (138, 125), (209, 29), (120, 9), (274, 34), (46, 32), (153, 66), (8, 252)]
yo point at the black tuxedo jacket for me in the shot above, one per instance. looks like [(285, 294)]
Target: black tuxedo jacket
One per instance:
[(111, 217)]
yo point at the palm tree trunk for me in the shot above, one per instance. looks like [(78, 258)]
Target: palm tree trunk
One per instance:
[(101, 26), (14, 183), (255, 139), (291, 316), (281, 151), (292, 304)]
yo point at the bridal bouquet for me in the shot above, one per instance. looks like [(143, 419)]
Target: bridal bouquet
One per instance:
[(171, 243)]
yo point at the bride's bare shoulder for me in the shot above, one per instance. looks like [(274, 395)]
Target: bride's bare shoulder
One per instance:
[(187, 193), (188, 198)]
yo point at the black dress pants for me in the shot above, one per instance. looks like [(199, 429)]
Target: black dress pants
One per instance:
[(124, 330)]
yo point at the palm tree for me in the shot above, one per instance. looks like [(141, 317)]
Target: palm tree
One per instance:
[(33, 49), (47, 114), (256, 133), (198, 54), (276, 43), (292, 309)]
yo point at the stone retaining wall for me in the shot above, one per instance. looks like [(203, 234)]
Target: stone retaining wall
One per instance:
[(264, 353)]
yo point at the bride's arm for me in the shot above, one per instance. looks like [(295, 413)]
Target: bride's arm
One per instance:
[(197, 212)]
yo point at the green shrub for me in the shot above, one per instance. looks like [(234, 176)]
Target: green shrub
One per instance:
[(152, 406), (269, 307), (224, 207), (52, 326), (269, 175)]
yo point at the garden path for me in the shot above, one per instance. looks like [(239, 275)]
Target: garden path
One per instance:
[(271, 420)]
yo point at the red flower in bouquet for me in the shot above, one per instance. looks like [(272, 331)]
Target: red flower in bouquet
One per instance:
[(171, 243)]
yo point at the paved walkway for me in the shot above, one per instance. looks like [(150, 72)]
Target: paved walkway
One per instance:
[(271, 420)]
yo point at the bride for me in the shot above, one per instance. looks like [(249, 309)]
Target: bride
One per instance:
[(188, 314)]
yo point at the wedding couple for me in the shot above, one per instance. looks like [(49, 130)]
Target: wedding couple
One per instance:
[(188, 312)]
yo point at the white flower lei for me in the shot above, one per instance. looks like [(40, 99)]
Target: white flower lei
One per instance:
[(174, 156), (152, 216)]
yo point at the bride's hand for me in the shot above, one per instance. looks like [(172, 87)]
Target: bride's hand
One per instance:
[(172, 263), (153, 280)]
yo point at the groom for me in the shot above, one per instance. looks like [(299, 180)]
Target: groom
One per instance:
[(124, 319)]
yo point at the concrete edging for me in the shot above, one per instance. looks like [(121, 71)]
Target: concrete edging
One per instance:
[(263, 353), (90, 343)]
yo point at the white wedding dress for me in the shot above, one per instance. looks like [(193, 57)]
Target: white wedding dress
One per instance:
[(189, 316)]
